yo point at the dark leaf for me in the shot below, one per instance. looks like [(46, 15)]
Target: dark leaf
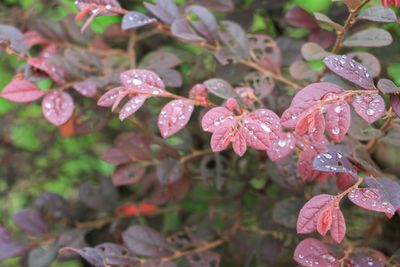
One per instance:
[(285, 212), (31, 221), (388, 189), (378, 14), (160, 60), (370, 199), (332, 161), (207, 25), (52, 205), (395, 104), (133, 20), (218, 5), (165, 10), (234, 38), (86, 88), (220, 88), (300, 18), (312, 51), (47, 66), (311, 252), (115, 156), (14, 38), (170, 77), (371, 37), (99, 197), (388, 87), (169, 171), (144, 241), (180, 28), (204, 259), (322, 37), (325, 19), (40, 257), (128, 174)]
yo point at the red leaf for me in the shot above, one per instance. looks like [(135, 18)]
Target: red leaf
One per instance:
[(33, 38), (131, 209), (127, 174), (143, 80), (232, 104), (281, 147), (324, 221), (132, 106), (294, 113), (21, 91), (215, 118), (57, 107), (110, 97), (305, 164), (338, 119), (268, 121), (370, 107), (311, 211), (49, 68), (48, 51), (174, 116), (338, 227), (255, 135), (199, 92), (369, 198), (239, 144), (86, 88), (222, 136), (344, 180), (300, 18), (311, 252), (315, 92), (115, 156), (313, 124)]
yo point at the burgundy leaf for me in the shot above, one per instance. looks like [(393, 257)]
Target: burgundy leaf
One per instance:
[(86, 88), (31, 221), (315, 92), (234, 37), (322, 37), (370, 107), (104, 254), (144, 241), (199, 92), (208, 25), (131, 106), (295, 113), (332, 161), (281, 147), (344, 180), (21, 91), (350, 70), (160, 59), (109, 98), (57, 107), (115, 156), (395, 104), (324, 221), (170, 77), (338, 226), (266, 51), (33, 38), (48, 51), (53, 71), (370, 199), (311, 252), (239, 144), (127, 174), (215, 118), (338, 117), (305, 165), (165, 10), (180, 28), (256, 135), (222, 136), (311, 211), (268, 121), (174, 116), (300, 18), (169, 171), (143, 80), (313, 125), (135, 146), (133, 20)]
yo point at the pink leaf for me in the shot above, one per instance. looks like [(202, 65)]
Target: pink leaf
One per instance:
[(232, 104), (222, 136), (199, 92), (324, 221), (350, 70), (255, 135), (49, 68), (215, 118), (110, 97), (295, 113), (338, 227), (370, 107), (86, 88), (315, 92), (309, 214), (311, 252), (107, 4), (143, 80), (57, 107), (281, 147), (21, 91), (338, 119), (174, 116), (239, 144), (369, 198), (131, 106), (305, 165), (313, 124), (268, 120)]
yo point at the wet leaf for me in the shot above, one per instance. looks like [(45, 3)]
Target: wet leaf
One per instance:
[(133, 20), (57, 107), (174, 116), (370, 199), (311, 251), (370, 107), (21, 91)]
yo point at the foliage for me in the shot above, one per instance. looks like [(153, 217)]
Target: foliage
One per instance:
[(303, 120)]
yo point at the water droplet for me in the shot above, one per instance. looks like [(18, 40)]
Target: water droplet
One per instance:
[(338, 109), (336, 130), (327, 156), (370, 112), (282, 143)]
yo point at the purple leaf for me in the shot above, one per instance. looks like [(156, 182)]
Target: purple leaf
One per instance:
[(52, 205), (115, 156), (86, 88), (234, 38), (180, 28), (104, 254), (170, 77), (311, 252), (266, 51), (128, 174), (165, 10), (9, 248), (395, 104), (322, 37), (110, 97), (332, 161), (370, 37), (388, 87), (388, 189), (31, 221), (21, 91), (350, 70), (370, 199), (131, 106), (220, 88), (46, 66), (57, 107), (215, 118), (281, 147), (143, 80), (169, 171), (370, 107), (15, 39), (207, 25), (174, 116), (144, 241), (133, 20), (160, 60), (315, 92)]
